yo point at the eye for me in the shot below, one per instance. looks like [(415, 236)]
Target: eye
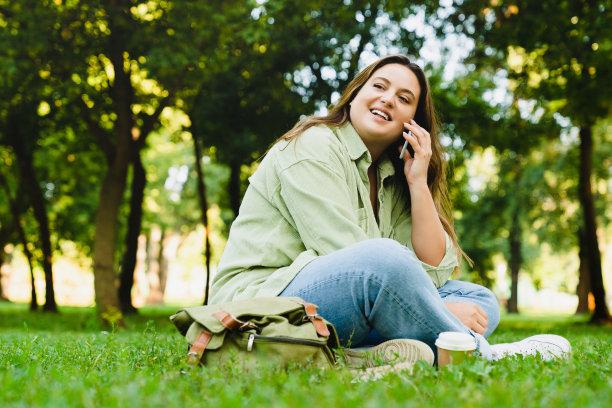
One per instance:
[(378, 86), (404, 99)]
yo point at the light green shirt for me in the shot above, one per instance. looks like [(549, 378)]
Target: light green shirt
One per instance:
[(309, 198)]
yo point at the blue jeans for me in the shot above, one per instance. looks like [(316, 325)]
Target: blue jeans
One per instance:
[(377, 290)]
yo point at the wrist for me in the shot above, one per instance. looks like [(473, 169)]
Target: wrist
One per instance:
[(418, 186)]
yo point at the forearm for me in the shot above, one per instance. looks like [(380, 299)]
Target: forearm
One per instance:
[(428, 239)]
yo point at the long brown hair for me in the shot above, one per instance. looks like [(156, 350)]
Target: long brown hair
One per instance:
[(425, 116)]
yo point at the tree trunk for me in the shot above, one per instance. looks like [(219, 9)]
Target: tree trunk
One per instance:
[(40, 213), (155, 251), (104, 246), (4, 268), (20, 136), (128, 263), (234, 188), (29, 257), (2, 259), (584, 287), (601, 313), (113, 185), (14, 206), (105, 237), (204, 213), (515, 260), (162, 260), (6, 230)]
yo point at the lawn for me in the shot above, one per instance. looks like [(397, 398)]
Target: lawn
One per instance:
[(65, 360)]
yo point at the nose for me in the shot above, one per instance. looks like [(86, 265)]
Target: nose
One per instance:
[(386, 99)]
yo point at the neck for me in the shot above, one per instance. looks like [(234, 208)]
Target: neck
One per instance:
[(375, 153)]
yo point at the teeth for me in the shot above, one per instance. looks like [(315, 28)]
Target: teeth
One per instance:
[(383, 114)]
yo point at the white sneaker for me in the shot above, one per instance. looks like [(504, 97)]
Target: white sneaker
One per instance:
[(372, 363), (549, 346), (389, 352)]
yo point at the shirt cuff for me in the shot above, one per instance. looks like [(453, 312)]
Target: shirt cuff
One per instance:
[(441, 273)]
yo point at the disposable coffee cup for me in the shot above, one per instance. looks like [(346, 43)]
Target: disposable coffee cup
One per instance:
[(454, 347)]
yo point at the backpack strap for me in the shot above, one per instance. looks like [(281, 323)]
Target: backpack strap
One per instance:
[(315, 318), (231, 323), (198, 347)]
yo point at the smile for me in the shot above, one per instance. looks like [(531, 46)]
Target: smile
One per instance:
[(381, 114)]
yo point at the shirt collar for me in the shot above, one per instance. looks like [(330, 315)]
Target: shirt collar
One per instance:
[(358, 151), (386, 169), (351, 139)]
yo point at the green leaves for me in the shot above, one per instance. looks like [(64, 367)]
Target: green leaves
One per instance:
[(557, 49)]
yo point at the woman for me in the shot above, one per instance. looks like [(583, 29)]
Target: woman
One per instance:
[(335, 216)]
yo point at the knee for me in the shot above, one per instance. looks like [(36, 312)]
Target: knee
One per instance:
[(392, 266), (380, 246), (385, 257)]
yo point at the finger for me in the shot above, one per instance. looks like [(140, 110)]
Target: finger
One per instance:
[(482, 322), (479, 329), (411, 138), (483, 315), (424, 139), (414, 125), (417, 130), (420, 135)]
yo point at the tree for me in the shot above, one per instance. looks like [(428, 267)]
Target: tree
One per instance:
[(559, 222), (14, 205), (25, 43), (166, 32), (284, 60), (121, 64), (472, 123), (557, 54), (197, 151)]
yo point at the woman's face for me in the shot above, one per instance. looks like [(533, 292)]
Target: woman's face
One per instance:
[(387, 100)]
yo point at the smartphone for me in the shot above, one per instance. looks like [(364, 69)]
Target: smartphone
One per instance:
[(407, 146)]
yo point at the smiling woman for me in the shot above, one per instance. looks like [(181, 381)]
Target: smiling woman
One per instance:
[(384, 105), (341, 221)]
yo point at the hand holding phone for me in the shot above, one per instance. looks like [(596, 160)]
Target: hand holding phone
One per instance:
[(408, 147)]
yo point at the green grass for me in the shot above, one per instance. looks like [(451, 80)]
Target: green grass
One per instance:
[(65, 360)]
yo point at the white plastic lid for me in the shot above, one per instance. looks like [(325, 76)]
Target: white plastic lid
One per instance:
[(456, 341)]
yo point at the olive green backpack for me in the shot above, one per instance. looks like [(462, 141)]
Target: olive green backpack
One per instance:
[(274, 330)]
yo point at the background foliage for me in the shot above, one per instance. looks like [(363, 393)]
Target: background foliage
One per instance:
[(91, 92)]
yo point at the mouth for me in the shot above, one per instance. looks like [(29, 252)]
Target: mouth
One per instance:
[(381, 114)]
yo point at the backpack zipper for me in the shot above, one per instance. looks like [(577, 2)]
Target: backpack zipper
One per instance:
[(288, 340)]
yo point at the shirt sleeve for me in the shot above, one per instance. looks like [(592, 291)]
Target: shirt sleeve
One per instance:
[(402, 228), (320, 204), (441, 273)]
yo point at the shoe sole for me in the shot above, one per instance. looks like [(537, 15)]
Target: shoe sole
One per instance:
[(376, 373), (392, 351)]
